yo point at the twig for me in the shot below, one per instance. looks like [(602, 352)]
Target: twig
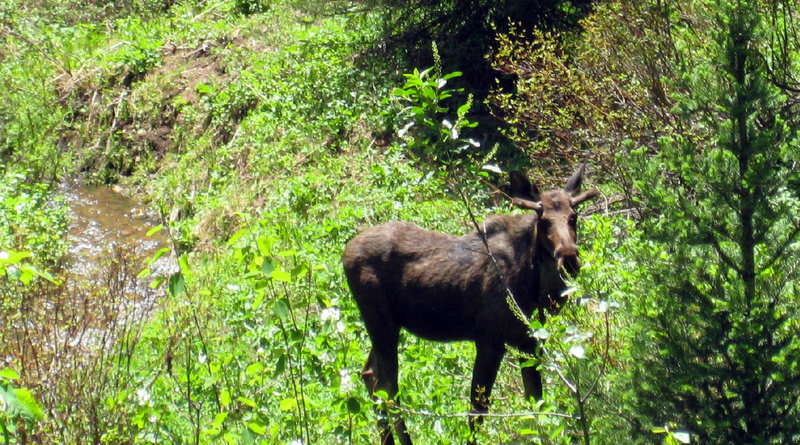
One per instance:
[(203, 48), (603, 364), (197, 17), (512, 302), (114, 121), (471, 414)]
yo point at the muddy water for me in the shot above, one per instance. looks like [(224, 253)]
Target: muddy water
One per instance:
[(104, 220)]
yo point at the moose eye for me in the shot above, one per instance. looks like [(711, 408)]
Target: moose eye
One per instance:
[(573, 220)]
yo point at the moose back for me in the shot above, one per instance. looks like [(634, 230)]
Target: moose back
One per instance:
[(446, 288)]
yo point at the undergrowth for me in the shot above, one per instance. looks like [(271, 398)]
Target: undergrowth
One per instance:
[(267, 134)]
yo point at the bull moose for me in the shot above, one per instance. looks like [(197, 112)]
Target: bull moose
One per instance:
[(472, 287)]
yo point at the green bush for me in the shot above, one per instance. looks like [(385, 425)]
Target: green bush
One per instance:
[(18, 405)]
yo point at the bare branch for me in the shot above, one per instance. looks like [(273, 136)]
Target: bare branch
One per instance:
[(475, 415)]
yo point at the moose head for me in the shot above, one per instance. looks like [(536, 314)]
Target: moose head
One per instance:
[(557, 217)]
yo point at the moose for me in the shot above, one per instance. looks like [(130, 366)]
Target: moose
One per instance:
[(466, 288)]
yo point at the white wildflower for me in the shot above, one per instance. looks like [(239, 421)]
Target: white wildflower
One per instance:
[(330, 313), (345, 381), (143, 396)]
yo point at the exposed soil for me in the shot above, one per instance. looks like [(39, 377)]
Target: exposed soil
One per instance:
[(116, 111)]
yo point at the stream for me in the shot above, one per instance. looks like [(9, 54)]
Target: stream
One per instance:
[(108, 226), (102, 303)]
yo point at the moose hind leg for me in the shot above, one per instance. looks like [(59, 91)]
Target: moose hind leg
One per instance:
[(380, 374)]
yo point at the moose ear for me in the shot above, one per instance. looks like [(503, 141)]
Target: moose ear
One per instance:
[(573, 187), (523, 193), (522, 187), (574, 184)]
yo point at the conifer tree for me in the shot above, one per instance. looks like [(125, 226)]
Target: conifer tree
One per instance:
[(718, 350)]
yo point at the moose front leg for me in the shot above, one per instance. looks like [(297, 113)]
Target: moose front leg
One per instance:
[(487, 362), (531, 377)]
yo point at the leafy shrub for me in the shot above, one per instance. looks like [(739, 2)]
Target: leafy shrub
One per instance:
[(247, 7), (139, 52), (428, 129), (31, 218), (586, 99), (721, 305)]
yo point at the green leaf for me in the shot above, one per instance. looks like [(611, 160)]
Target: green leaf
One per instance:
[(177, 285), (452, 75), (557, 432), (183, 262), (249, 402), (353, 406), (400, 92), (225, 398), (157, 282), (248, 437), (8, 374), (281, 309), (287, 253), (154, 230), (20, 402), (236, 236), (267, 266), (280, 366), (17, 257), (158, 254), (257, 428), (254, 369), (216, 425), (288, 404), (257, 299), (281, 275), (264, 245)]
